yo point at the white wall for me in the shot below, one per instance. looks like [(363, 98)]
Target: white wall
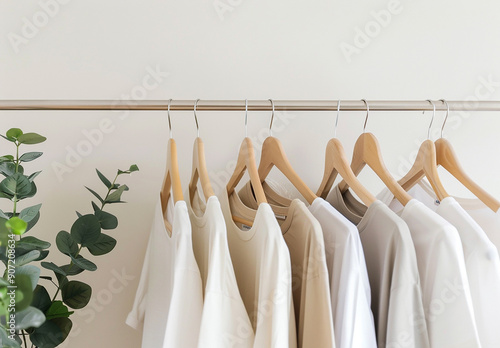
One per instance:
[(260, 49)]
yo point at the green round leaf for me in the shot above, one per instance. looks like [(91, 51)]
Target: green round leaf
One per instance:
[(31, 271), (103, 245), (66, 244), (29, 317), (16, 184), (83, 263), (29, 194), (14, 133), (32, 243), (31, 138), (43, 255), (30, 156), (108, 221), (27, 258), (57, 310), (76, 294), (86, 230), (52, 333), (28, 214), (72, 270), (9, 168), (16, 225), (53, 267), (116, 195), (41, 298)]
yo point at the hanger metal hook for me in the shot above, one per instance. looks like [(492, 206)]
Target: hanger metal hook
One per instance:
[(196, 118), (169, 122), (432, 120), (272, 119), (337, 119), (246, 118), (446, 117), (367, 113)]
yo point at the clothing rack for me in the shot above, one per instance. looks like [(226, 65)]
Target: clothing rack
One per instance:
[(253, 105)]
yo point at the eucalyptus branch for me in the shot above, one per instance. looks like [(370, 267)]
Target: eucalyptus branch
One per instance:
[(47, 317), (109, 191)]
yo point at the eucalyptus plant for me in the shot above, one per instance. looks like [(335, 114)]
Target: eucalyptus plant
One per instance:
[(29, 314)]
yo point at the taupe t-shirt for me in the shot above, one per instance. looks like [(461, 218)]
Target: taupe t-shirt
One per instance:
[(392, 269)]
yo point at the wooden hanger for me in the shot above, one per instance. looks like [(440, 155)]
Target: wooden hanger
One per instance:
[(336, 163), (246, 161), (367, 152), (425, 165), (273, 154), (200, 171), (172, 180), (447, 158)]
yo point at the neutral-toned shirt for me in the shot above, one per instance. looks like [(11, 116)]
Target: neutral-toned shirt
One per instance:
[(310, 283), (169, 300), (481, 261), (262, 267), (392, 269), (445, 286), (225, 322), (488, 219)]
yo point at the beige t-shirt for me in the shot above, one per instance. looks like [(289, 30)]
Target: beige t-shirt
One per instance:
[(349, 285), (310, 281), (224, 322), (392, 269), (262, 267)]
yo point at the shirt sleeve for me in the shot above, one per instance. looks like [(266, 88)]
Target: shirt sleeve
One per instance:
[(136, 315)]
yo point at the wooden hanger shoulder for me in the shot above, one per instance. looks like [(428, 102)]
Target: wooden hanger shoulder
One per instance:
[(336, 163), (171, 180), (246, 161), (273, 154), (367, 152), (425, 165), (199, 171), (447, 158)]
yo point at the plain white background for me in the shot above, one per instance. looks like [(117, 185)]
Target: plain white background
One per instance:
[(230, 49)]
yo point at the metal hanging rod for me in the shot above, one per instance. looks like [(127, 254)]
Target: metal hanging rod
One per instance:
[(253, 105)]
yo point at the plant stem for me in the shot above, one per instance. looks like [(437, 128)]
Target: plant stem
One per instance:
[(24, 338), (57, 293), (109, 191), (17, 155)]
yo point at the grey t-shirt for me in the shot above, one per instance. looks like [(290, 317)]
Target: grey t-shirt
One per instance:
[(392, 269)]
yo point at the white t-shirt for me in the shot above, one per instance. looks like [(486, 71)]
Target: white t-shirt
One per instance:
[(169, 297), (482, 214), (481, 261), (392, 269), (310, 283), (349, 286), (446, 292), (225, 322), (263, 272)]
